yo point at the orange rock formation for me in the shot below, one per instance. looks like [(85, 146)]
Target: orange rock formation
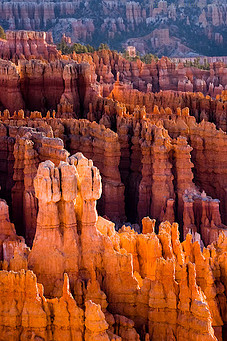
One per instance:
[(82, 151), (119, 280), (28, 44)]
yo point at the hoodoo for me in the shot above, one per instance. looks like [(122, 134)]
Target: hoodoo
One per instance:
[(113, 174)]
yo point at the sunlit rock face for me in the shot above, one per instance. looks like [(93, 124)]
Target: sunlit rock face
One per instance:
[(100, 284)]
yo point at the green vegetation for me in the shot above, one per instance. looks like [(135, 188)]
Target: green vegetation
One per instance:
[(79, 48), (64, 48), (103, 47), (2, 33), (125, 55), (148, 58), (90, 48), (196, 63)]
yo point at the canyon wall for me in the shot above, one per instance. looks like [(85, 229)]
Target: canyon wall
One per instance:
[(28, 44), (34, 84)]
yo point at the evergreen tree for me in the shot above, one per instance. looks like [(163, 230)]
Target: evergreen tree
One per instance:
[(90, 48), (79, 48), (63, 47), (2, 33), (103, 46)]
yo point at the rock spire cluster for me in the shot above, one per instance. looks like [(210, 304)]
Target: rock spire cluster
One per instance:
[(113, 218)]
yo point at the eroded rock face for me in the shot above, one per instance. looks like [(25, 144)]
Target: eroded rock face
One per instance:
[(33, 143), (125, 280), (69, 83), (158, 164), (36, 84), (161, 75), (59, 222), (208, 108), (19, 44), (10, 243), (120, 20), (74, 186), (39, 318), (145, 166)]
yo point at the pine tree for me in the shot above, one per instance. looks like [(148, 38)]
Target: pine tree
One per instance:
[(2, 33)]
